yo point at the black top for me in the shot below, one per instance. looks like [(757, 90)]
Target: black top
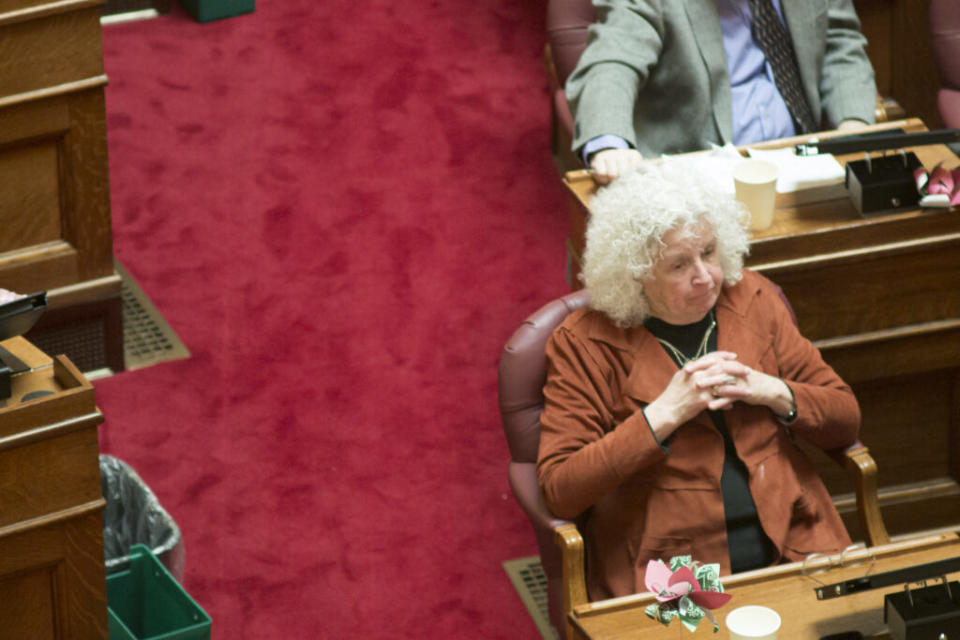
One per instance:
[(749, 546)]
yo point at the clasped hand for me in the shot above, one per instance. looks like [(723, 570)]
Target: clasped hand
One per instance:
[(715, 382)]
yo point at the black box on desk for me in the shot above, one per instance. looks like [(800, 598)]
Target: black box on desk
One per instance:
[(925, 613), (881, 185)]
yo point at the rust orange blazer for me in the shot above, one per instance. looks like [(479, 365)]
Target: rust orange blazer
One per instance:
[(638, 500)]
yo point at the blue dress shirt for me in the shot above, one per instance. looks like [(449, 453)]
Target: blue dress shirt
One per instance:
[(759, 112)]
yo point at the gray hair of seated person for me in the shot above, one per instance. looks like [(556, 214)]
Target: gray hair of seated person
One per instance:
[(628, 220)]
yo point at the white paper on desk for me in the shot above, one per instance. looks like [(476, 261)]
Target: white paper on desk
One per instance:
[(714, 166), (808, 178), (803, 179)]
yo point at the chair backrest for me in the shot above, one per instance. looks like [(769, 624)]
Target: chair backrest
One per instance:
[(521, 376), (945, 39), (523, 372), (567, 22)]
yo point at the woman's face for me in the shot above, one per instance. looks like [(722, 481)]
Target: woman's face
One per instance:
[(685, 282)]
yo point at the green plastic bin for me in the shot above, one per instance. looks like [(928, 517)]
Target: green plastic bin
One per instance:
[(144, 602), (208, 10)]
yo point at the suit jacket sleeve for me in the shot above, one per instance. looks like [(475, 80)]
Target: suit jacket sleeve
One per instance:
[(583, 454), (623, 45), (847, 88)]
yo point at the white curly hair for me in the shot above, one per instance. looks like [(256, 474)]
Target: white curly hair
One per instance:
[(630, 216)]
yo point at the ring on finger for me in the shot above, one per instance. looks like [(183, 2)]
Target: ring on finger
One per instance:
[(715, 390)]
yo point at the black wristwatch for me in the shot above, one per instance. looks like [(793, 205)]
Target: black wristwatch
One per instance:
[(790, 417)]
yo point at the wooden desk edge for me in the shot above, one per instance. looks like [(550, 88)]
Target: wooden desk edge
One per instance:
[(27, 352), (575, 179), (592, 609)]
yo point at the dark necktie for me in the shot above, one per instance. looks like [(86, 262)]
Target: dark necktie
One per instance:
[(777, 46)]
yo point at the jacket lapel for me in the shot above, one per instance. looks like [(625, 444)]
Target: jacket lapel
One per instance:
[(705, 28), (651, 373), (735, 335), (652, 369)]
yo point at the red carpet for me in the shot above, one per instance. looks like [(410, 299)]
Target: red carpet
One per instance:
[(343, 210)]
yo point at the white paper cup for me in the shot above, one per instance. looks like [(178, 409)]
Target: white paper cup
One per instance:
[(755, 182), (753, 622)]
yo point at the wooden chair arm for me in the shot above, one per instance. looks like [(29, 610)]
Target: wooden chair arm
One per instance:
[(889, 109), (523, 483), (863, 470), (553, 81), (574, 579), (859, 463)]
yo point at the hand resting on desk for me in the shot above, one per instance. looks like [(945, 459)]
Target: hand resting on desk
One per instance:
[(608, 164)]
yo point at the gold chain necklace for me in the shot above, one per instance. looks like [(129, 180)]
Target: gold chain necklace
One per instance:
[(701, 350)]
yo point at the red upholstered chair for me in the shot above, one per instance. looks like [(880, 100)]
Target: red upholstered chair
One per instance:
[(567, 23), (945, 40), (521, 377)]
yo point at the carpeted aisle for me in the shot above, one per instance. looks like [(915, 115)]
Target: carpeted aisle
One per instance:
[(343, 212)]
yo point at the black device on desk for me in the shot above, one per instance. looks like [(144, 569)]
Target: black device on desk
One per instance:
[(878, 185), (877, 141), (928, 613), (884, 184), (924, 613), (16, 318)]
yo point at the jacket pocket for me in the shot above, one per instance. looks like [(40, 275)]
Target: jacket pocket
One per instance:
[(803, 532), (648, 548)]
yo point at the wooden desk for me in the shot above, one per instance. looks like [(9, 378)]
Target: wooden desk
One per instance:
[(786, 590), (880, 297), (52, 579), (801, 231), (55, 200)]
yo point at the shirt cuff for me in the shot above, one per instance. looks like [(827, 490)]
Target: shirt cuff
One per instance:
[(607, 141)]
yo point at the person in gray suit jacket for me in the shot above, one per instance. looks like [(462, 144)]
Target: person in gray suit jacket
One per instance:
[(673, 76)]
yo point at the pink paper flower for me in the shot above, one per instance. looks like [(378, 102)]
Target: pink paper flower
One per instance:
[(674, 585), (941, 181)]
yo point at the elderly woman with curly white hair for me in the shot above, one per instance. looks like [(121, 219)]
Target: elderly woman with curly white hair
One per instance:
[(672, 403)]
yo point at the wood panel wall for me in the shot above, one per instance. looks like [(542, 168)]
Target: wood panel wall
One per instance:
[(898, 43)]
